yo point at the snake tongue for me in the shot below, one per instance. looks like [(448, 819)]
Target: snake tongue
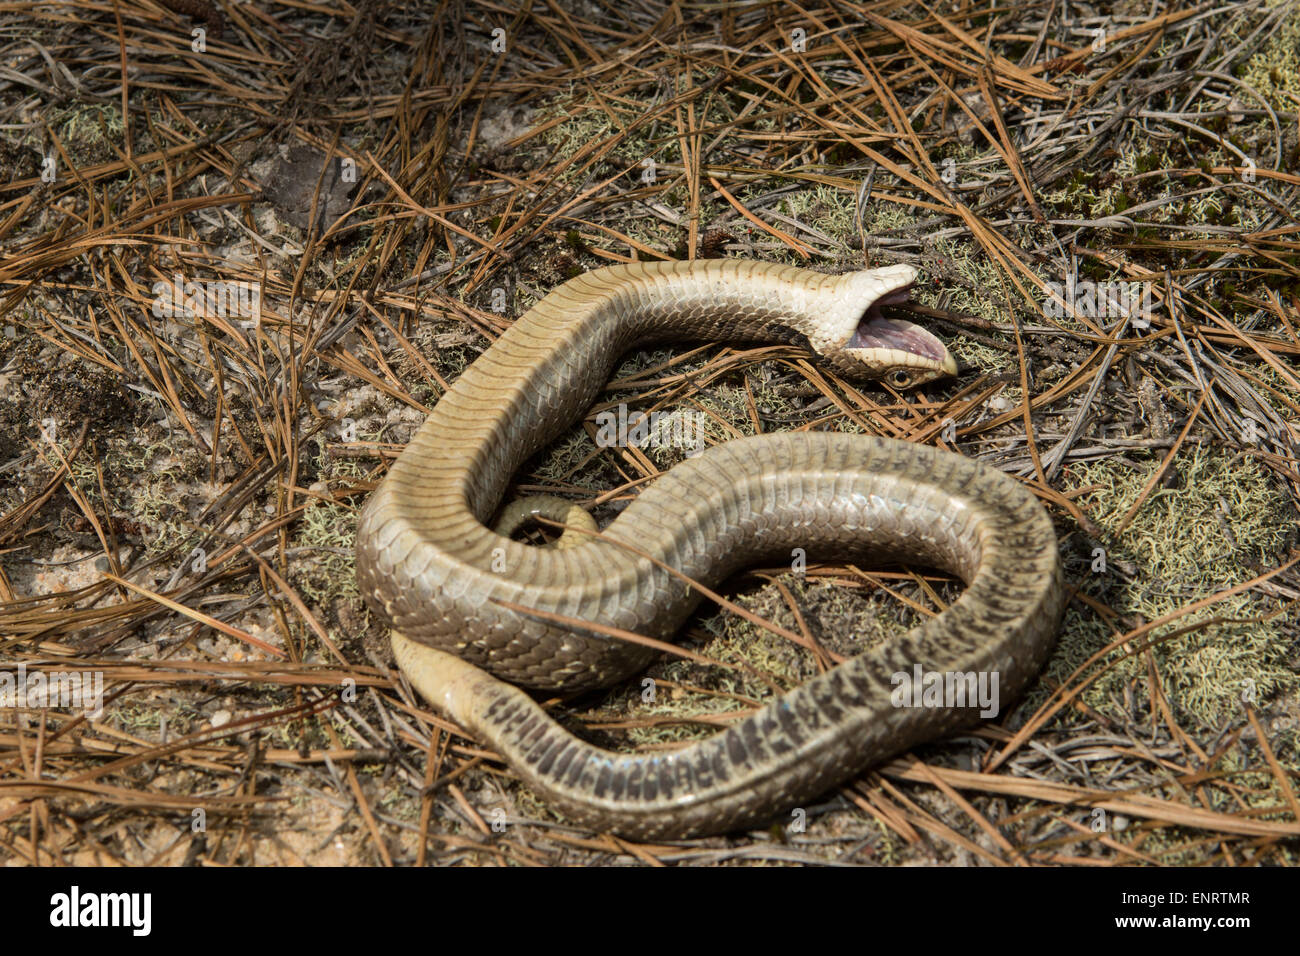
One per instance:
[(876, 332)]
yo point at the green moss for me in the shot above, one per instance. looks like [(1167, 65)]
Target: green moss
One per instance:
[(1147, 162)]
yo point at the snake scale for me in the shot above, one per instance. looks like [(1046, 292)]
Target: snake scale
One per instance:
[(472, 609)]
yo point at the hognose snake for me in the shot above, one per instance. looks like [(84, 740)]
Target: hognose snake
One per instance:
[(430, 563)]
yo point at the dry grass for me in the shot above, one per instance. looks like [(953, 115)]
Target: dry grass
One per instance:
[(178, 491)]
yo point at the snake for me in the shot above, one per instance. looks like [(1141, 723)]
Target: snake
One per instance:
[(475, 616)]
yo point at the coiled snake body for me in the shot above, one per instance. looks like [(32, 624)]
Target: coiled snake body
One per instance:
[(457, 593)]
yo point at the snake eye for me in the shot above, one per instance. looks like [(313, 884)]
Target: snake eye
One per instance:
[(900, 379)]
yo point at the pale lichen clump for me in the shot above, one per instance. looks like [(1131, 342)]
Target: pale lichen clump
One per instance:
[(1275, 70), (691, 700), (325, 542), (1184, 545)]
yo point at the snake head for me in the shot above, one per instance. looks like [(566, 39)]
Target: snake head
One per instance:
[(866, 345)]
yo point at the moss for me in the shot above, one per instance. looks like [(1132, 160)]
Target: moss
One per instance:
[(1147, 162)]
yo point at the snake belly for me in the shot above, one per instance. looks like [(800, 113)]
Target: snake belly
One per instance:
[(460, 597)]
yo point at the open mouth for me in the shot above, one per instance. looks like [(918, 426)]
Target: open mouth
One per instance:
[(874, 331)]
